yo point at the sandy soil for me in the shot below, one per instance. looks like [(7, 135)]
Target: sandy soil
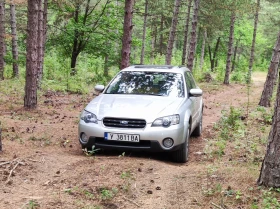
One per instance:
[(43, 166)]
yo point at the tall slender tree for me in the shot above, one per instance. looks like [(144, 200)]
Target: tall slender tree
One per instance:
[(270, 170), (2, 38), (203, 48), (186, 33), (14, 38), (162, 19), (254, 41), (230, 44), (127, 34), (271, 75), (84, 22), (40, 42), (30, 99), (172, 33), (144, 33), (193, 35), (234, 55), (213, 59), (44, 39)]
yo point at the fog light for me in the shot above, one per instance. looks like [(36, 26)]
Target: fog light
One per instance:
[(84, 138), (168, 142)]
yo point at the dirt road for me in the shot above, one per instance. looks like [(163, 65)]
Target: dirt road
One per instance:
[(42, 165)]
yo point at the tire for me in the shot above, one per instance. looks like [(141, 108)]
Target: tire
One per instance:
[(181, 155), (198, 130), (88, 146)]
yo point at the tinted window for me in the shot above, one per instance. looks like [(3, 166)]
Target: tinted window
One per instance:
[(149, 83), (190, 81)]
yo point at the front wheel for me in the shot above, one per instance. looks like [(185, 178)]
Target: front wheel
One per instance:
[(181, 155)]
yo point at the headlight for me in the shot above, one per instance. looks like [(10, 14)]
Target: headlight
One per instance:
[(167, 121), (88, 117)]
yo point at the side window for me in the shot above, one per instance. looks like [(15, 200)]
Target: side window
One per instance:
[(188, 82), (191, 81)]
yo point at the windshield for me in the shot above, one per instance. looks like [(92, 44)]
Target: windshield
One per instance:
[(147, 83)]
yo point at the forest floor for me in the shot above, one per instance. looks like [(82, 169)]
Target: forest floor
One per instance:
[(42, 164)]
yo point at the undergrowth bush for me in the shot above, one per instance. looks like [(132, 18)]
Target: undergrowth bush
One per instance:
[(57, 74), (238, 76), (230, 124)]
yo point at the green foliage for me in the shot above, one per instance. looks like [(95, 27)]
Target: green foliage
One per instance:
[(232, 118), (33, 204), (13, 87), (91, 152), (57, 74), (126, 175), (107, 194), (270, 199), (97, 33), (265, 114), (237, 76)]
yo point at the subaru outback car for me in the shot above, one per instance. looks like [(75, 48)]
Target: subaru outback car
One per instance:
[(144, 108)]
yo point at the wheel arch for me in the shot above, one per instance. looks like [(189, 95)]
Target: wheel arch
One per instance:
[(187, 123)]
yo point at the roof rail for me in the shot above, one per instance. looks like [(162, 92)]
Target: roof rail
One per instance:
[(154, 66)]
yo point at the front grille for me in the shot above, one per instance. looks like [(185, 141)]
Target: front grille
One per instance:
[(142, 144), (124, 123)]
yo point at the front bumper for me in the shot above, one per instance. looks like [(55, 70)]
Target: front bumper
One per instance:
[(151, 138)]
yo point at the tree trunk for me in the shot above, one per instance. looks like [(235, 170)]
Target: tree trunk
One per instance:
[(144, 33), (127, 34), (193, 35), (30, 99), (186, 33), (270, 171), (14, 38), (161, 35), (253, 42), (230, 43), (172, 32), (45, 21), (213, 59), (2, 38), (203, 49), (106, 66), (40, 43), (210, 57), (152, 57), (75, 51), (271, 75), (234, 56)]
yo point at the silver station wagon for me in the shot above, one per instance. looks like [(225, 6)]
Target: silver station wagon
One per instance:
[(145, 108)]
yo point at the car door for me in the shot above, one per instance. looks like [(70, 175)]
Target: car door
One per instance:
[(195, 100)]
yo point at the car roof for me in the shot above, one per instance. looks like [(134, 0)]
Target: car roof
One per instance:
[(159, 68)]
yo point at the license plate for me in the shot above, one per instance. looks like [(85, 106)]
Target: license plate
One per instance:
[(122, 137)]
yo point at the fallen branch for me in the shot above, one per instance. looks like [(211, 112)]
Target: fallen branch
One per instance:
[(8, 162), (5, 163), (11, 172), (13, 169), (217, 206), (33, 160), (132, 202)]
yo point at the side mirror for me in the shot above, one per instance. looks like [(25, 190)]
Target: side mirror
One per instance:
[(99, 89), (196, 92)]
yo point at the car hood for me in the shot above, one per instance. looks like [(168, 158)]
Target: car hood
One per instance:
[(133, 106)]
